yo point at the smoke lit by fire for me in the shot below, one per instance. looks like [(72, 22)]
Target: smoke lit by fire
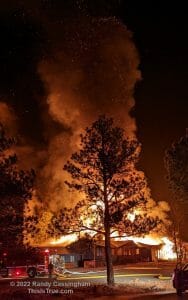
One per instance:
[(92, 70)]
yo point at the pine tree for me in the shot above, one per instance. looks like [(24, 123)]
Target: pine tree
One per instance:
[(15, 190), (113, 192)]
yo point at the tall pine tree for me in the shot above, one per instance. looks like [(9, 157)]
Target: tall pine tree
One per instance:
[(114, 194)]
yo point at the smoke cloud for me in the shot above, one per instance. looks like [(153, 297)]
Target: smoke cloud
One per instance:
[(8, 118), (60, 72), (93, 70)]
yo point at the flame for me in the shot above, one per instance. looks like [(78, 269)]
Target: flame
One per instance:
[(167, 247), (167, 251), (149, 240), (65, 240), (87, 221), (131, 216)]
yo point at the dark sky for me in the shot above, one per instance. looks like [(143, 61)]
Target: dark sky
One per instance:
[(161, 36)]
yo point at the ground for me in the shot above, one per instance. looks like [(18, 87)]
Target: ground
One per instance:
[(131, 280)]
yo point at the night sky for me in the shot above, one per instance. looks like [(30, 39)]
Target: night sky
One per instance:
[(161, 37)]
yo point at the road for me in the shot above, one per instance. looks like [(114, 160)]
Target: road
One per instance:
[(122, 274), (171, 296), (146, 275), (162, 297)]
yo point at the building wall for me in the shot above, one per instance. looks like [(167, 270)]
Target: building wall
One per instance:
[(126, 254)]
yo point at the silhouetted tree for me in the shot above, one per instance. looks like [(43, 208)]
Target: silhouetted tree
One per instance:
[(15, 190), (104, 173), (176, 163)]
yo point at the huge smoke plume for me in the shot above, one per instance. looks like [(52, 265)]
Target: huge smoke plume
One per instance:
[(93, 71), (85, 67)]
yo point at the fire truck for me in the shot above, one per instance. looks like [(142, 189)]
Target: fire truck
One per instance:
[(32, 270), (23, 271), (11, 270)]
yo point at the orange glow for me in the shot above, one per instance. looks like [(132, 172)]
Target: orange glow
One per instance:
[(65, 240), (131, 216), (149, 240), (165, 253)]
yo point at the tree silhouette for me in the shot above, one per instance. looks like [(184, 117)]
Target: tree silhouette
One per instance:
[(176, 163), (15, 190), (113, 193)]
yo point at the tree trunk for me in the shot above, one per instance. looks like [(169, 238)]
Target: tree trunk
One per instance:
[(108, 253)]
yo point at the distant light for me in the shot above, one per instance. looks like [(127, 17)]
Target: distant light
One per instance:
[(46, 251), (17, 273), (4, 254)]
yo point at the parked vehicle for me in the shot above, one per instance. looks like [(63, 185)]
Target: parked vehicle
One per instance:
[(180, 278), (22, 271), (39, 270)]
